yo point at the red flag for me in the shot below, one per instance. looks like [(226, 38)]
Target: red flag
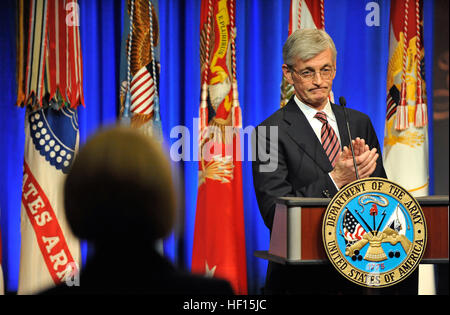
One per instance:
[(219, 236), (49, 60), (306, 14)]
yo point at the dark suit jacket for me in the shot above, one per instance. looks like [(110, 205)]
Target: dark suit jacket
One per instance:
[(133, 267), (302, 168)]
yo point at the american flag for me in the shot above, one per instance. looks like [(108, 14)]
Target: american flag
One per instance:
[(353, 231)]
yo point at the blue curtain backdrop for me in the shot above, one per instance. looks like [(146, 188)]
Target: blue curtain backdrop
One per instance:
[(262, 27)]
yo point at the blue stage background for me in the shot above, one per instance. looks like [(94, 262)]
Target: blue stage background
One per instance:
[(262, 27)]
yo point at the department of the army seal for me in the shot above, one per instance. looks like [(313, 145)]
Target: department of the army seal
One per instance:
[(374, 232)]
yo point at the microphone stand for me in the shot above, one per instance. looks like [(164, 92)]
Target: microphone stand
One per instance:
[(343, 103)]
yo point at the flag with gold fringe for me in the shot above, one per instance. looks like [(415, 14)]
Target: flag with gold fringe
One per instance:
[(140, 67), (219, 235), (302, 14), (50, 86), (405, 151)]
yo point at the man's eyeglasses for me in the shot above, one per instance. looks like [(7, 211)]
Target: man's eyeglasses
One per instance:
[(325, 73)]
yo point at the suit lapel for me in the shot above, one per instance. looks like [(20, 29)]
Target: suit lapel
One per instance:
[(299, 129)]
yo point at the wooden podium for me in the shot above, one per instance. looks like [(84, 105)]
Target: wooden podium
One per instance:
[(297, 231)]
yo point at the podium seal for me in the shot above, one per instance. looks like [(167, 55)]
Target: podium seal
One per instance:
[(374, 232)]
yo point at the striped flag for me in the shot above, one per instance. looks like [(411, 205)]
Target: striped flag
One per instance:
[(139, 71), (405, 154), (353, 231), (302, 14), (50, 86), (219, 235), (49, 53)]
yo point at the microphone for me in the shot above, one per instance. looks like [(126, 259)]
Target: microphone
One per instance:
[(343, 103)]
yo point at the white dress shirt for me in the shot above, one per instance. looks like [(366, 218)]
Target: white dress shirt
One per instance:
[(314, 122)]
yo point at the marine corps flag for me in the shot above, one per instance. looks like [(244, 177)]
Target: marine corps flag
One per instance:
[(139, 67), (302, 14), (406, 132), (49, 75), (219, 236)]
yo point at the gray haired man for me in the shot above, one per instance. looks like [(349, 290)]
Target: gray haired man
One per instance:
[(313, 156)]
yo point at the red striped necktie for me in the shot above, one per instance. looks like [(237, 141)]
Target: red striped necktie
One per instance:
[(329, 139)]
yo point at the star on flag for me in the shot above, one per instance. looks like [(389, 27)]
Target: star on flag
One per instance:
[(209, 272)]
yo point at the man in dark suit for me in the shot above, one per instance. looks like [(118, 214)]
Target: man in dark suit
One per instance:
[(298, 164)]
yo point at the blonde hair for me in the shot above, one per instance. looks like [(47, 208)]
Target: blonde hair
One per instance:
[(120, 182), (305, 44)]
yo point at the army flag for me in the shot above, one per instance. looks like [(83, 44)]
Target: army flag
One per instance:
[(405, 154), (405, 151), (139, 67), (302, 14), (219, 235), (49, 77)]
